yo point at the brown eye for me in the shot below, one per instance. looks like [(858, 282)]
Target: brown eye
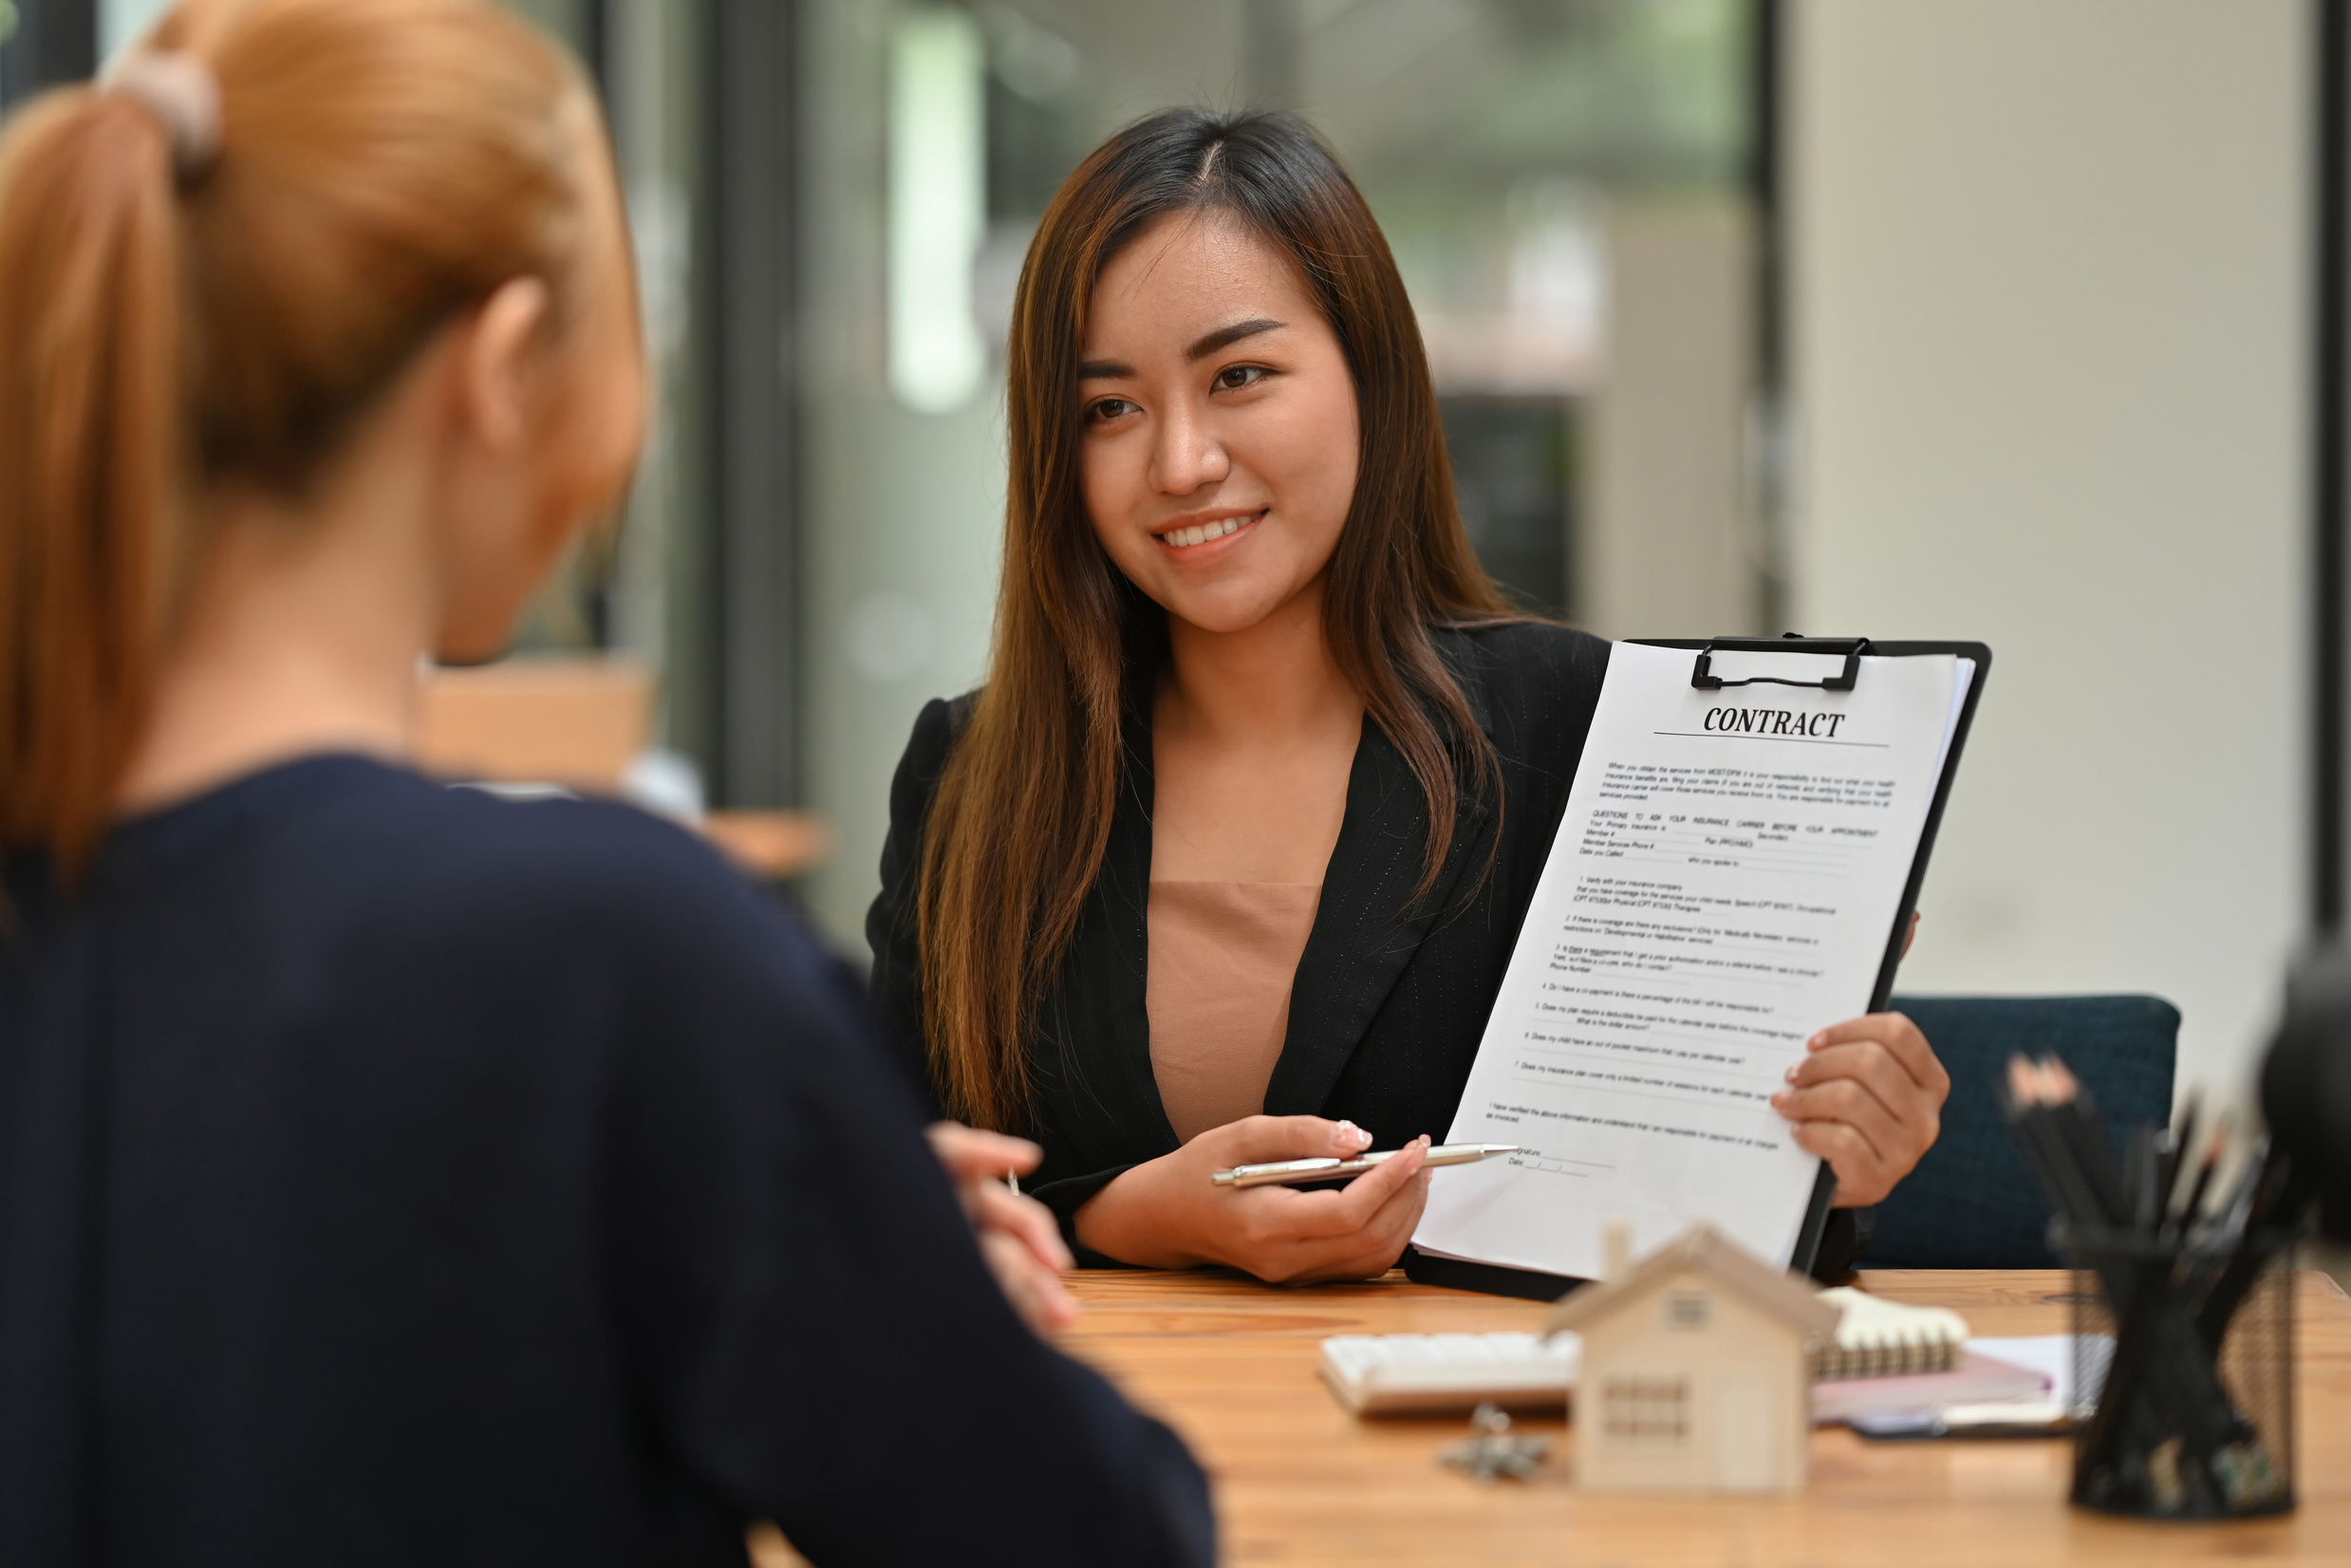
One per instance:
[(1234, 377), (1108, 409)]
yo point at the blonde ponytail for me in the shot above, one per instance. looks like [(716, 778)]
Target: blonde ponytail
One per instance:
[(94, 454), (185, 300)]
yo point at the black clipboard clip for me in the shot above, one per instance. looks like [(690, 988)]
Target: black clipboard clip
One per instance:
[(1851, 648)]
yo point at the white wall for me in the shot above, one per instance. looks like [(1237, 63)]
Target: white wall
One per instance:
[(2047, 350), (123, 23), (1668, 544)]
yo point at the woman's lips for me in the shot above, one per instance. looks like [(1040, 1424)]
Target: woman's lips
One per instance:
[(1183, 540)]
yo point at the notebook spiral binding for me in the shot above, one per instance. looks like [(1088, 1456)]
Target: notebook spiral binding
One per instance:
[(1891, 1358)]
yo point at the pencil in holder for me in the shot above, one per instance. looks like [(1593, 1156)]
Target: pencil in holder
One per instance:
[(2196, 1342)]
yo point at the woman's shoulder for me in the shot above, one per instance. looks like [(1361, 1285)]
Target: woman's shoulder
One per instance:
[(560, 897), (1533, 686), (617, 881), (362, 868), (1513, 661), (937, 729)]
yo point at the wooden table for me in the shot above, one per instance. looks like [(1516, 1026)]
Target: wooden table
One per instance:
[(1231, 1364)]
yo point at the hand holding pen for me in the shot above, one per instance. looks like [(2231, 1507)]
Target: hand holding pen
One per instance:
[(1170, 1212)]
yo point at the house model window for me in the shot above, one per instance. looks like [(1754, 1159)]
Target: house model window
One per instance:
[(1646, 1412), (1696, 1371)]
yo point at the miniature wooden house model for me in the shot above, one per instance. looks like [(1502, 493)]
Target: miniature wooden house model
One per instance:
[(1696, 1370)]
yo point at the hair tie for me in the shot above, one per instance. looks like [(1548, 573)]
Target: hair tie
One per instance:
[(184, 96)]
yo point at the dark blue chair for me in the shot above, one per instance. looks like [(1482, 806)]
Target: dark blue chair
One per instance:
[(1972, 1202)]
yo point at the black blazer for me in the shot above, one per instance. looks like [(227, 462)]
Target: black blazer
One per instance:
[(1392, 996)]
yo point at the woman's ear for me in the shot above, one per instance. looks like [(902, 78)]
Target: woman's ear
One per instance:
[(494, 364)]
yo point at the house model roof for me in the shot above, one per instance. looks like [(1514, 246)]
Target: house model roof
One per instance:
[(1704, 1250)]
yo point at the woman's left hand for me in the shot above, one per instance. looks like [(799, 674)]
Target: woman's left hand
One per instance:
[(1868, 1098)]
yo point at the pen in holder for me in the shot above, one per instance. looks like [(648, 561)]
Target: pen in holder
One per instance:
[(2196, 1418)]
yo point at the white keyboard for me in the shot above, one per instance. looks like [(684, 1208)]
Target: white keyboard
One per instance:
[(1376, 1373)]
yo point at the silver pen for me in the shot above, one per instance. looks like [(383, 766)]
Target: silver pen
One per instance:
[(1329, 1168)]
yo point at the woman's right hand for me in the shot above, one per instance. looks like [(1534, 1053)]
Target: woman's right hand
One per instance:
[(1018, 1236), (1165, 1213)]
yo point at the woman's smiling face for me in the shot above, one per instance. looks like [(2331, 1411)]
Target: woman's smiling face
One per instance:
[(1221, 432)]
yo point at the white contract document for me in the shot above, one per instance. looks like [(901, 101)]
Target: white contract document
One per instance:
[(1724, 883)]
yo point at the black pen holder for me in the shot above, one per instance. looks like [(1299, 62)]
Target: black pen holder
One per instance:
[(2194, 1343)]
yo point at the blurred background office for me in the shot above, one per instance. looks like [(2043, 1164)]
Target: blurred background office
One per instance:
[(2009, 319)]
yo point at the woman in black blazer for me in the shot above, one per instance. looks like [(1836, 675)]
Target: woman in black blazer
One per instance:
[(1242, 640)]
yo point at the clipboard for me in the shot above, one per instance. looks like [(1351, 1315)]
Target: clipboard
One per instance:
[(1501, 1279)]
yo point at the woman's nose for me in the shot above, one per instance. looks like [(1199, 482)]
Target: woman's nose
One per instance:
[(1187, 455)]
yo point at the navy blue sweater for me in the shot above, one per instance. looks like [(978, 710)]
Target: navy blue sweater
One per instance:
[(393, 1174)]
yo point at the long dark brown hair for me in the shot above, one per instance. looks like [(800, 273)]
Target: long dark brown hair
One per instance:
[(1021, 818)]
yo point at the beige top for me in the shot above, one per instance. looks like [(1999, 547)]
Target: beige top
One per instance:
[(1222, 955)]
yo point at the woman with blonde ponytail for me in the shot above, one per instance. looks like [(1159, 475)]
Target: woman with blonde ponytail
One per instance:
[(390, 1172)]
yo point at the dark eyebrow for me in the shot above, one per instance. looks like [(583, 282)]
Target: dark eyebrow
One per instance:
[(1224, 337)]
